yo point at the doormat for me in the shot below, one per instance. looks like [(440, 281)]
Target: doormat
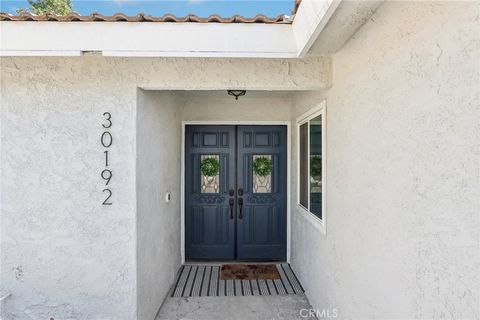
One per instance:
[(205, 281), (249, 272)]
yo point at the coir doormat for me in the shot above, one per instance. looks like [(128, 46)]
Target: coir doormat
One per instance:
[(249, 272)]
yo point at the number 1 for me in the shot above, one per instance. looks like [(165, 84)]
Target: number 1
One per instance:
[(106, 158)]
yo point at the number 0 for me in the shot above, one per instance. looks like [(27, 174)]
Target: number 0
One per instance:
[(106, 139)]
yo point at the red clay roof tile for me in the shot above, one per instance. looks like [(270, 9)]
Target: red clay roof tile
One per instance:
[(141, 17)]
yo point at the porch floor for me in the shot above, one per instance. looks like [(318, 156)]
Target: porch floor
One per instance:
[(281, 307), (199, 293)]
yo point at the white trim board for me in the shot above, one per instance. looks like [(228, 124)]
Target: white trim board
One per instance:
[(182, 175), (309, 22)]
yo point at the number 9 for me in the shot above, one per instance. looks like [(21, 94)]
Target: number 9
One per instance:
[(106, 175)]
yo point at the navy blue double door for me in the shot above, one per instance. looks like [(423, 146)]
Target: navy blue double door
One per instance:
[(235, 193)]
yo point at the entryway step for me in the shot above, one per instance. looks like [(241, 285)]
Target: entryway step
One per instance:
[(205, 280), (279, 307)]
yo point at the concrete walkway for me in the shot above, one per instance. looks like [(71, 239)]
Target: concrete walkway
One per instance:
[(284, 307)]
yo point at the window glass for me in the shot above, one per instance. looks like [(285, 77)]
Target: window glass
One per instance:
[(262, 173), (311, 162), (304, 165), (210, 173), (316, 166)]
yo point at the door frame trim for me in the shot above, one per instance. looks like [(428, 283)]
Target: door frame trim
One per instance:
[(226, 123)]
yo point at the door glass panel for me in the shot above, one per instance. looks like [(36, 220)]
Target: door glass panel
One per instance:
[(304, 165), (262, 173), (210, 173), (316, 166)]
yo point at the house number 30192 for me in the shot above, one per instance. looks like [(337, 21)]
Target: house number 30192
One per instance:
[(107, 140)]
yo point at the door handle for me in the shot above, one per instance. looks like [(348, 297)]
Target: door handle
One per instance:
[(240, 208), (231, 202)]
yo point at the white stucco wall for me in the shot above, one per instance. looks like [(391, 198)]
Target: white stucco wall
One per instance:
[(63, 254), (402, 170), (158, 221)]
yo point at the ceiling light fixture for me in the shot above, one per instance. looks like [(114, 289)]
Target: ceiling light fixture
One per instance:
[(236, 93)]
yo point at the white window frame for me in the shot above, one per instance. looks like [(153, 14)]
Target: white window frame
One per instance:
[(320, 109)]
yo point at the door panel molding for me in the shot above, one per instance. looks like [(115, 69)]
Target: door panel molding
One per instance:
[(287, 124)]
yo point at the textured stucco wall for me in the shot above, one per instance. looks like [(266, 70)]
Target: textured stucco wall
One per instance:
[(218, 106), (158, 222), (64, 255), (402, 169)]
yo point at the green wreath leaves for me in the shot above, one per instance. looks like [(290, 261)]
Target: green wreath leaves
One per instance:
[(316, 166), (210, 167), (262, 166)]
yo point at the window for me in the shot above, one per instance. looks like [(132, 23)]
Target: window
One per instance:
[(262, 173), (210, 173), (311, 164)]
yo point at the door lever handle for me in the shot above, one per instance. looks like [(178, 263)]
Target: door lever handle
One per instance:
[(231, 202), (240, 208)]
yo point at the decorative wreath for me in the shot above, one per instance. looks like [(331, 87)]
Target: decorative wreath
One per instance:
[(262, 166), (316, 166), (210, 167)]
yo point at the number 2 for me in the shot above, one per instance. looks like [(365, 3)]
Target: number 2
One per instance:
[(106, 203)]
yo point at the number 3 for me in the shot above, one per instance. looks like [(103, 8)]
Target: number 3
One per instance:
[(108, 117)]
